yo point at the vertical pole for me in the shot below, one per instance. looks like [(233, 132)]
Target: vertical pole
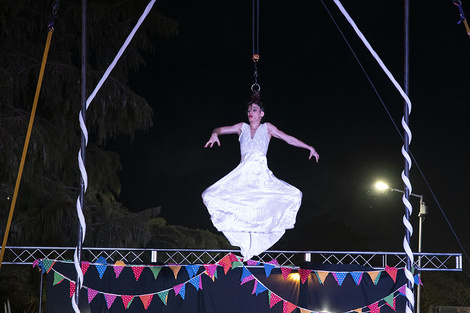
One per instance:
[(83, 146), (407, 189)]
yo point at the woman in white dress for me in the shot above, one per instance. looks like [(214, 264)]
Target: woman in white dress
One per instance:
[(250, 205)]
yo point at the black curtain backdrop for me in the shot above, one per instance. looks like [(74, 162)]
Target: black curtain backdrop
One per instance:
[(225, 294)]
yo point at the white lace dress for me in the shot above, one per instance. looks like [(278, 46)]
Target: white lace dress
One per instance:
[(250, 205)]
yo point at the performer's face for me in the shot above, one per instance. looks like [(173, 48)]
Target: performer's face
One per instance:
[(254, 113)]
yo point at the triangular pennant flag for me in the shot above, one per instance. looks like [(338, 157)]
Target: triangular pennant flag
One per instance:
[(180, 290), (233, 258), (247, 279), (91, 294), (127, 300), (374, 275), (72, 288), (321, 275), (358, 310), (195, 281), (286, 271), (192, 270), (137, 270), (175, 269), (304, 273), (402, 290), (245, 273), (258, 288), (274, 262), (155, 270), (36, 262), (304, 310), (390, 299), (392, 271), (210, 269), (58, 278), (236, 264), (226, 263), (288, 307), (374, 308), (252, 262), (339, 276), (357, 276), (417, 280), (101, 265), (273, 299), (163, 296), (48, 264), (85, 266), (118, 267), (146, 299), (109, 299), (268, 268)]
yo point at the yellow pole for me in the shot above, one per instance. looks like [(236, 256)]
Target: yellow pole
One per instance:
[(25, 148)]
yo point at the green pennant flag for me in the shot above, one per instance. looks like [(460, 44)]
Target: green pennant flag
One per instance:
[(236, 264), (389, 300), (155, 270), (377, 278), (48, 264), (58, 278), (163, 296)]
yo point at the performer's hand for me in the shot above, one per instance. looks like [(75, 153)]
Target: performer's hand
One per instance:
[(314, 153), (214, 139)]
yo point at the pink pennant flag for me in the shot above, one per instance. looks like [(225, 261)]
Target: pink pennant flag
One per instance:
[(304, 273), (402, 290), (36, 262), (72, 289), (274, 262), (85, 266), (252, 262), (177, 288), (146, 299), (247, 279), (286, 271), (288, 307), (374, 308), (118, 267), (273, 299), (91, 294), (137, 271), (126, 300), (210, 269), (392, 271), (109, 299), (233, 257)]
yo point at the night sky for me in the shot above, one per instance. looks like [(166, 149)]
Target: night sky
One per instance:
[(314, 89)]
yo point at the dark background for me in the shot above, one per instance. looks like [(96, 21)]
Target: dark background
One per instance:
[(314, 89)]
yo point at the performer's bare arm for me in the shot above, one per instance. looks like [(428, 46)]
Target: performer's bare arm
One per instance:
[(224, 130)]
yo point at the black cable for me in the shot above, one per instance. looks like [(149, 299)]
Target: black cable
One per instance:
[(397, 129)]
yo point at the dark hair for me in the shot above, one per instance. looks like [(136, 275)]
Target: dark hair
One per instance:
[(256, 99)]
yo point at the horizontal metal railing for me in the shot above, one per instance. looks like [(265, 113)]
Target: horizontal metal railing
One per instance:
[(378, 260)]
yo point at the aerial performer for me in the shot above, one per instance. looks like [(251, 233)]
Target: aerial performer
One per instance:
[(250, 206)]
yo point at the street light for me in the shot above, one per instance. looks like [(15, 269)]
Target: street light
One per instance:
[(423, 210)]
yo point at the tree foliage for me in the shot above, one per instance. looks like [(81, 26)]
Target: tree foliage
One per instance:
[(50, 183)]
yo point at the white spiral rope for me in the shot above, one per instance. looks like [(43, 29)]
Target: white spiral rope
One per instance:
[(81, 165), (406, 222)]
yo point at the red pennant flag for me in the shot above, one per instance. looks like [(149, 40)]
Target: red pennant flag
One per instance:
[(137, 271), (392, 271), (85, 266), (286, 271), (374, 308), (288, 307), (126, 300), (226, 263), (304, 273), (146, 299), (72, 288), (273, 299)]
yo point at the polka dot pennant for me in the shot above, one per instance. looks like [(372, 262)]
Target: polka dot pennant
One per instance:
[(304, 273), (340, 276), (137, 271), (392, 271), (288, 307), (85, 266), (374, 308), (195, 281), (91, 294), (180, 290), (163, 296), (109, 299), (273, 299), (72, 289), (146, 300), (101, 266), (285, 272), (127, 300), (118, 267), (357, 276)]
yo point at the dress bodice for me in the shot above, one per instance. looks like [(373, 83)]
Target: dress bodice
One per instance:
[(259, 142)]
